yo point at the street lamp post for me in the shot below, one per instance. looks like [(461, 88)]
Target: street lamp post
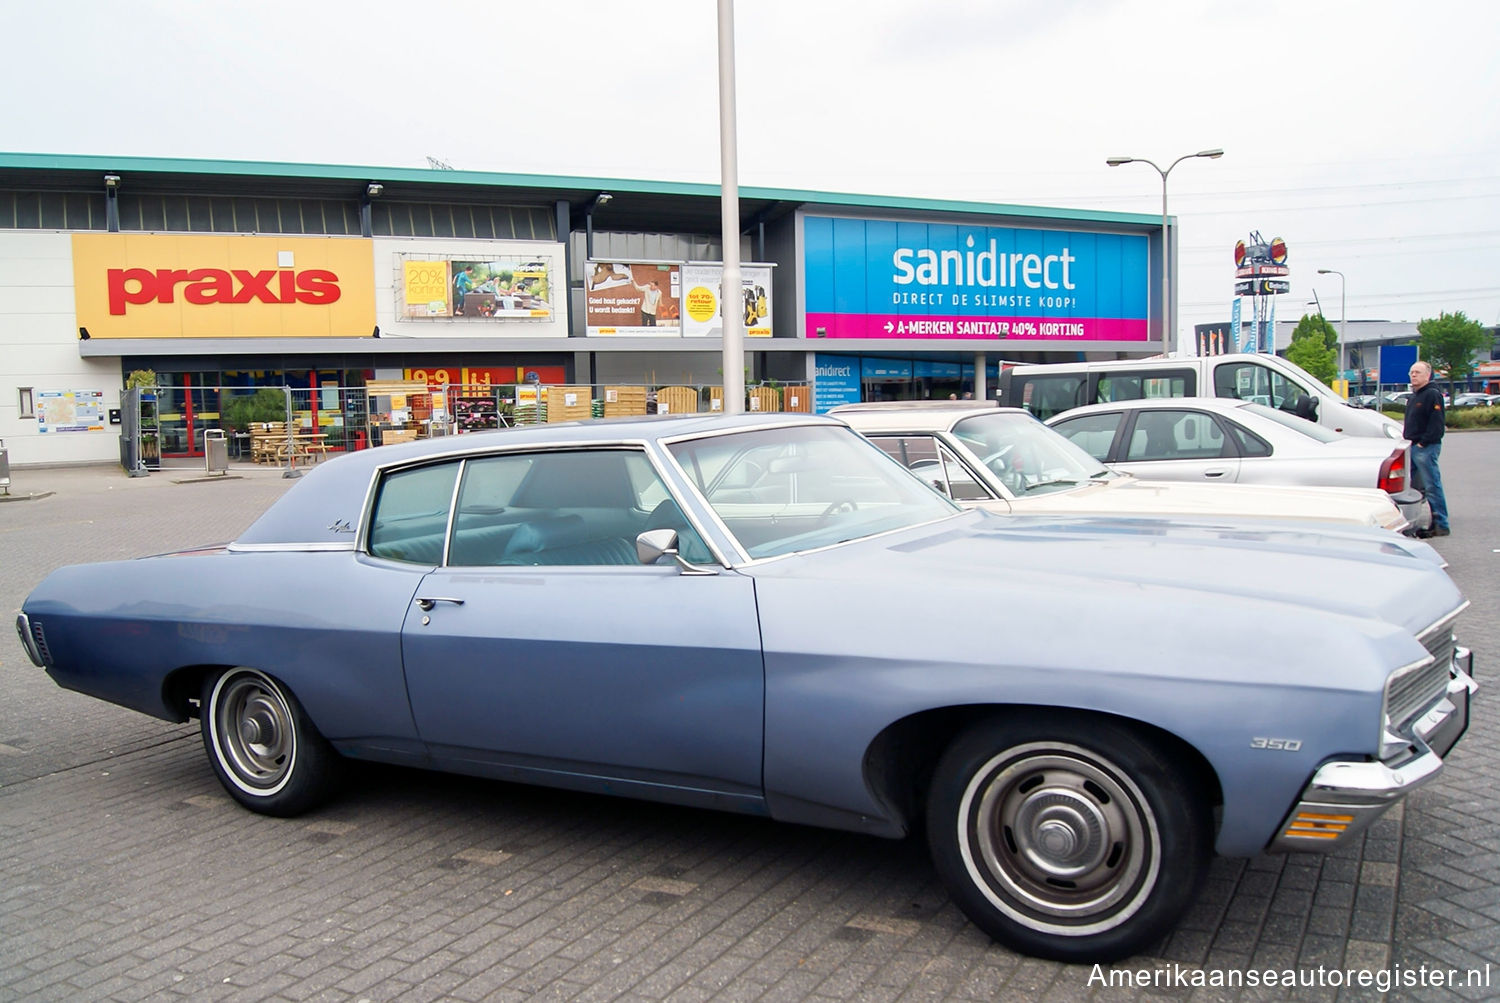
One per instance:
[(1166, 311), (1343, 315), (733, 350)]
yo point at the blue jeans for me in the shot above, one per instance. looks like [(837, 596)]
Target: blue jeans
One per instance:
[(1427, 477)]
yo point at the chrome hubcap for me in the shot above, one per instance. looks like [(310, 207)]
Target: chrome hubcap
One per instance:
[(1058, 837), (257, 736)]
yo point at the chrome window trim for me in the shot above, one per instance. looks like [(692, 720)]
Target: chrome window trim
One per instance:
[(458, 484), (278, 548), (463, 456), (982, 474)]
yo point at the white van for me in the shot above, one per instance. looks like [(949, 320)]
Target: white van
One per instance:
[(1046, 390)]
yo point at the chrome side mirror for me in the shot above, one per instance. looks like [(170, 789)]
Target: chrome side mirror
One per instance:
[(654, 544)]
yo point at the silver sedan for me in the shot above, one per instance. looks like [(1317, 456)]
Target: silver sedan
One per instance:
[(1223, 441)]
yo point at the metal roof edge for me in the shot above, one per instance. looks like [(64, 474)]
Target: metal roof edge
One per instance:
[(85, 162)]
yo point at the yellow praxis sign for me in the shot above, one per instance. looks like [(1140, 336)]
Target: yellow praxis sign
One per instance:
[(156, 286)]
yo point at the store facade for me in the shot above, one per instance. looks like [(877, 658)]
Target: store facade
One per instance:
[(225, 280)]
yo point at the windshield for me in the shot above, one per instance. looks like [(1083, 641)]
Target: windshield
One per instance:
[(1311, 429), (780, 490), (1027, 456)]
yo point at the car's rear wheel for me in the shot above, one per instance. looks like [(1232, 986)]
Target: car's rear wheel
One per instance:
[(1073, 839), (262, 746)]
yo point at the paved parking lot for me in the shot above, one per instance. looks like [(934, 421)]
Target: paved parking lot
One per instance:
[(126, 873)]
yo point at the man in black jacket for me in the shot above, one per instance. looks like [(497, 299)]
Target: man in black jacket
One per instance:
[(1424, 430)]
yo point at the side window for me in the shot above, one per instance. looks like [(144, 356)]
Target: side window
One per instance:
[(961, 483), (1250, 444), (1175, 435), (1137, 385), (1045, 396), (1164, 386), (582, 507), (930, 460), (1092, 433), (1254, 382), (410, 518), (912, 451)]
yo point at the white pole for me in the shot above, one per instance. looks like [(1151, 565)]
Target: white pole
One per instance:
[(730, 294)]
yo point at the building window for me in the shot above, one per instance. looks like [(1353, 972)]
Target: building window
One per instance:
[(27, 402)]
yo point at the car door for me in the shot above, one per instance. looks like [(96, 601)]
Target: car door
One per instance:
[(1177, 445), (540, 648), (1095, 433)]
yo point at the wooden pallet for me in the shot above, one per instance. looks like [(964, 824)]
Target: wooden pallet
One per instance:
[(620, 402), (569, 403)]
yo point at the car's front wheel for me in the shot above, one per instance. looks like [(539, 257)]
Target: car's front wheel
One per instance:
[(263, 748), (1073, 839)]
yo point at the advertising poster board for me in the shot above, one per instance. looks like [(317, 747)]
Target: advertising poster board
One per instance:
[(508, 287), (702, 316), (426, 287), (633, 299), (871, 278), (70, 410), (837, 381)]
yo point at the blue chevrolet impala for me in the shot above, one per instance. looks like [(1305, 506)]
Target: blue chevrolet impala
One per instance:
[(766, 614)]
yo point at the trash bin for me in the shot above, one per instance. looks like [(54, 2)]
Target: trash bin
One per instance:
[(216, 451), (4, 468)]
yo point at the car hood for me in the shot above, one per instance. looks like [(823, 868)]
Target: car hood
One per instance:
[(1235, 571), (1128, 496)]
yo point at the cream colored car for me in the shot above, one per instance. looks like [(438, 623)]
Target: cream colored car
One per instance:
[(1004, 460)]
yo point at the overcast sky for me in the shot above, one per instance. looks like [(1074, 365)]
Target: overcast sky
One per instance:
[(1365, 133)]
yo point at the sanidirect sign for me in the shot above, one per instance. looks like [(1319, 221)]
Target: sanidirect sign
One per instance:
[(154, 286), (868, 278)]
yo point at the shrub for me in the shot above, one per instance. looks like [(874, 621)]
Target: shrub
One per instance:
[(1473, 417)]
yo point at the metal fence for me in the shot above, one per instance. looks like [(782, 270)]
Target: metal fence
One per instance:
[(295, 426)]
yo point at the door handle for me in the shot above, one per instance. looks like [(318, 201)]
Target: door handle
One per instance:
[(1214, 473), (427, 603)]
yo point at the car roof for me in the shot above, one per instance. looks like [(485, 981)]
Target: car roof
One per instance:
[(925, 416), (1222, 404), (1154, 360), (339, 485)]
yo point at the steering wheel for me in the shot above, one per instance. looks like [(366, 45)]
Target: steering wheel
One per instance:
[(1011, 477), (842, 505)]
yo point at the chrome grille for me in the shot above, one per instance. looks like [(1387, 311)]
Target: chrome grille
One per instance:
[(39, 640), (1409, 693)]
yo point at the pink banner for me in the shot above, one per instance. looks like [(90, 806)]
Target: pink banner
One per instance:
[(874, 325)]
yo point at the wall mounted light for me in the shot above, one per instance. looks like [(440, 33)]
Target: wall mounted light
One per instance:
[(373, 189), (603, 198), (111, 181)]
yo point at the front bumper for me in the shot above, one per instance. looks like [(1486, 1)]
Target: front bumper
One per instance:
[(1343, 799), (1414, 509), (29, 641)]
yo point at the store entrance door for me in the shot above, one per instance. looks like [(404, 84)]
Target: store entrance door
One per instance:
[(186, 412)]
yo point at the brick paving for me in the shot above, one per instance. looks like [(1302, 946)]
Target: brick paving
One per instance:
[(127, 874)]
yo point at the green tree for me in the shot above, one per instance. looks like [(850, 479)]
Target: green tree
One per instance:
[(1317, 323), (1449, 341), (1312, 350)]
